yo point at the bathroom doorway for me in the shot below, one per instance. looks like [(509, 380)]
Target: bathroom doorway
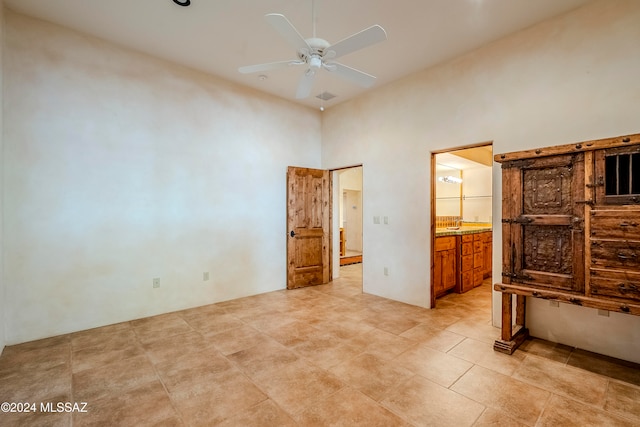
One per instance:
[(461, 219)]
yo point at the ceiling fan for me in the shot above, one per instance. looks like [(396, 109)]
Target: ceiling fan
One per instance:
[(318, 54)]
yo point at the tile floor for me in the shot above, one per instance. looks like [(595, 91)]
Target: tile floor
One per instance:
[(327, 355)]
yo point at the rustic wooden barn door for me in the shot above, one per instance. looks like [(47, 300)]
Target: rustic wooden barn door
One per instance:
[(308, 227)]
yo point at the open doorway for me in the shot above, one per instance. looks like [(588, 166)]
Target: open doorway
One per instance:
[(347, 214), (461, 219)]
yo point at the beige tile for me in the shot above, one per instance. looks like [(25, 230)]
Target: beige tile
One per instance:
[(324, 349), (425, 403), (119, 332), (109, 348), (263, 359), (623, 399), (371, 375), (480, 330), (176, 346), (483, 354), (604, 365), (237, 339), (36, 385), (561, 379), (393, 323), (297, 385), (344, 328), (382, 344), (348, 408), (440, 318), (432, 364), (213, 323), (112, 379), (207, 403), (523, 401), (270, 321), (193, 367), (561, 411), (147, 405), (30, 357), (437, 339), (265, 413), (494, 418), (159, 327), (290, 332), (547, 349)]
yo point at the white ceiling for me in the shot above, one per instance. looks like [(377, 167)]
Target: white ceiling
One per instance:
[(218, 36)]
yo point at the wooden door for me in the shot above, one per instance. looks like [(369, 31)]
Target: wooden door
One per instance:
[(547, 222), (308, 227)]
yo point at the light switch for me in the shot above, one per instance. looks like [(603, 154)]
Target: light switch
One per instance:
[(376, 220), (386, 220)]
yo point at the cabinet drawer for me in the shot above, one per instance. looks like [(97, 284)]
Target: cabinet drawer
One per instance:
[(615, 224), (467, 263), (466, 249), (466, 238), (477, 246), (615, 254), (477, 237), (445, 243), (615, 284)]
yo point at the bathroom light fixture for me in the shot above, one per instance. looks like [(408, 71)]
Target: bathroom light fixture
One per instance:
[(450, 179), (182, 3)]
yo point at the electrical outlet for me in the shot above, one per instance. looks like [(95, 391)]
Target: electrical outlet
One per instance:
[(156, 282), (386, 271), (376, 220), (386, 220), (554, 303), (205, 276), (604, 313)]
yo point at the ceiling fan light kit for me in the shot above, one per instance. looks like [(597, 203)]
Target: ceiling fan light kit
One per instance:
[(318, 54)]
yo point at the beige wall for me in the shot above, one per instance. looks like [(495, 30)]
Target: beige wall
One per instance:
[(570, 79), (120, 168)]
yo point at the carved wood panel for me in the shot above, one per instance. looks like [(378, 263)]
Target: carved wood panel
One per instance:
[(548, 249), (547, 191)]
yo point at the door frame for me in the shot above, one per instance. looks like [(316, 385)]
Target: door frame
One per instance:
[(432, 228), (334, 229)]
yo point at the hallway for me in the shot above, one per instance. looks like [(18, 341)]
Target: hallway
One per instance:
[(324, 355)]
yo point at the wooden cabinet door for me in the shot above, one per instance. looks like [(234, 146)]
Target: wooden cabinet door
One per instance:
[(546, 222), (309, 225), (449, 269), (445, 267)]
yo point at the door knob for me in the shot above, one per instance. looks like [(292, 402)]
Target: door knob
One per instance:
[(292, 234)]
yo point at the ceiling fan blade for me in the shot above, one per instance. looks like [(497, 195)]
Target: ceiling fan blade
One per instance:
[(351, 74), (247, 69), (288, 31), (306, 84), (365, 38)]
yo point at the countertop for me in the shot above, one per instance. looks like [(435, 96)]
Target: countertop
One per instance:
[(465, 229)]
